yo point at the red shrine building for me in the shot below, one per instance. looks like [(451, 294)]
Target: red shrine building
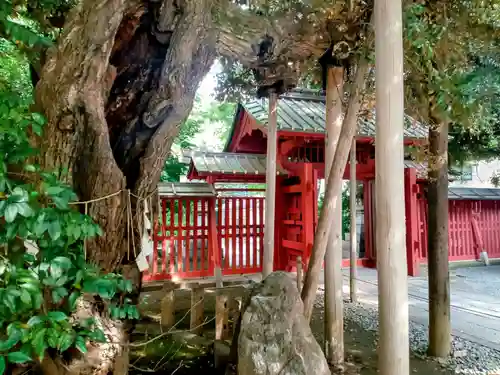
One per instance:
[(474, 224)]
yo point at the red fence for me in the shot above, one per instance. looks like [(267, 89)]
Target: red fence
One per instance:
[(473, 225), (240, 233), (193, 230)]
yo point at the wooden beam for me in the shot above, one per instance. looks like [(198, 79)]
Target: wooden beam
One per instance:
[(197, 310), (393, 356), (334, 317), (222, 331), (167, 318), (268, 258), (353, 274)]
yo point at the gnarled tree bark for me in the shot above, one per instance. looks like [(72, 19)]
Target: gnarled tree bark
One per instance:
[(116, 89)]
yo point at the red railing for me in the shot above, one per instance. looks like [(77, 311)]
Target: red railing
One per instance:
[(463, 242), (193, 233), (240, 233), (182, 240)]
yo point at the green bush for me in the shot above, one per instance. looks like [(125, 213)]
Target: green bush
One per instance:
[(40, 289)]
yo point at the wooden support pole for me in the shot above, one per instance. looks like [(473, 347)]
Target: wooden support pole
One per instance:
[(272, 125), (334, 317), (167, 318), (300, 273), (222, 331), (353, 274), (197, 310), (393, 356), (438, 262)]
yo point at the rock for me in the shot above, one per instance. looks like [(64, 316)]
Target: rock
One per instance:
[(275, 338), (460, 353)]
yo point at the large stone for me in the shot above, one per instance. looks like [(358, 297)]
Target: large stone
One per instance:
[(274, 336)]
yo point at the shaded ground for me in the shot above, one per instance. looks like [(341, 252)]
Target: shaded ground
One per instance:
[(360, 344)]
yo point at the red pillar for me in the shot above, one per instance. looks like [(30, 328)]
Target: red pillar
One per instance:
[(308, 203), (411, 206), (215, 255), (368, 222)]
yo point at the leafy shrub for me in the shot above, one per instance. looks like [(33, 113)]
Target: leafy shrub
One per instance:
[(43, 271)]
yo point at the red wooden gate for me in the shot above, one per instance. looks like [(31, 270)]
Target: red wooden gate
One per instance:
[(193, 230), (182, 240), (240, 233)]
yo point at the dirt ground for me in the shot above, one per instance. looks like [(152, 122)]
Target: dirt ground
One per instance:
[(360, 345)]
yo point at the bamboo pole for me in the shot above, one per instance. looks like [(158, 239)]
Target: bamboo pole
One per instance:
[(353, 233), (393, 356), (334, 317), (270, 200)]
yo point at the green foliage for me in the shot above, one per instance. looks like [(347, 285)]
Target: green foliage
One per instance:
[(450, 52), (218, 116), (43, 271)]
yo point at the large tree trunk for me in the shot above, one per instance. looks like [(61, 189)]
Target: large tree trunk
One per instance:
[(115, 91), (439, 278), (333, 185), (334, 316)]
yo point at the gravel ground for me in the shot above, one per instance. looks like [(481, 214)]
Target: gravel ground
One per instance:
[(466, 358)]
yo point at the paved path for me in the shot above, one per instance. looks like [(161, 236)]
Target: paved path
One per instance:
[(475, 300)]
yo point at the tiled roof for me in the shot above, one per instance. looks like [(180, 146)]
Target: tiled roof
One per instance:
[(304, 111), (185, 189), (466, 193), (230, 163), (421, 168)]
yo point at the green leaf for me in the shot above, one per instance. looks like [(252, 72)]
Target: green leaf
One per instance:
[(63, 262), (14, 337), (55, 230), (25, 297), (57, 316), (2, 365), (98, 336), (73, 297), (65, 341), (80, 344), (58, 294), (10, 213), (39, 343), (34, 320), (38, 118), (18, 357)]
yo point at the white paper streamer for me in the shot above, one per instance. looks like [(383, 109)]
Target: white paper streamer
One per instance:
[(146, 244), (142, 262)]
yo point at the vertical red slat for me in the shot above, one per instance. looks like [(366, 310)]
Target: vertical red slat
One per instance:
[(205, 234), (226, 233), (219, 228), (247, 232), (171, 237), (460, 221), (254, 232), (261, 230), (189, 236), (164, 238), (241, 247), (195, 233), (233, 233), (180, 229)]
